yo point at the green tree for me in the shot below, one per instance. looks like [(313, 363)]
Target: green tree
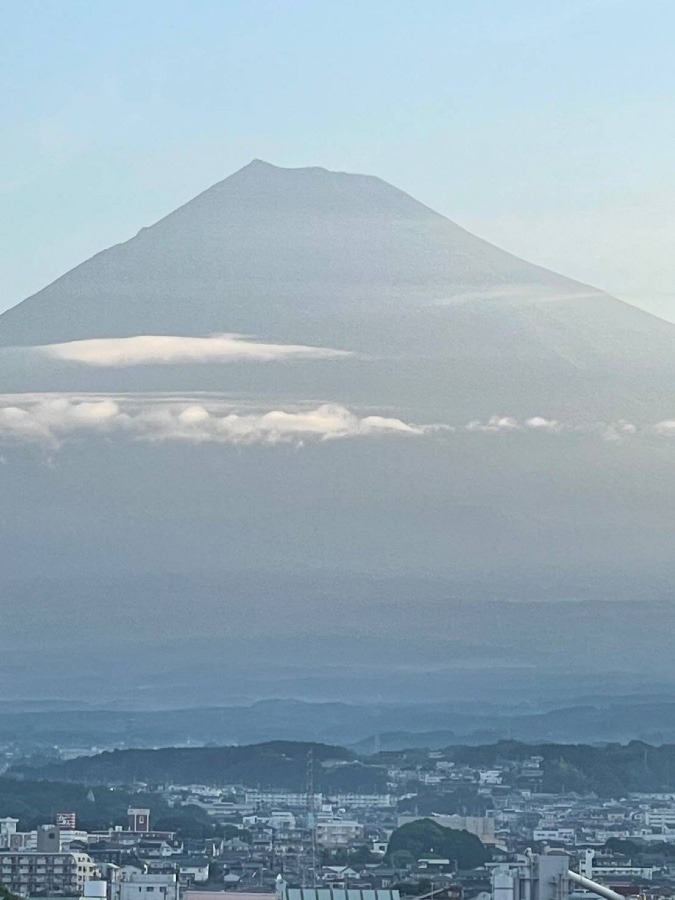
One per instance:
[(425, 837)]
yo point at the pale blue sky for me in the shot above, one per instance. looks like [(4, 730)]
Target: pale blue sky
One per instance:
[(546, 127)]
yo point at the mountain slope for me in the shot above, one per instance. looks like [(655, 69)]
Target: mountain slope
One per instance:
[(436, 319), (267, 247), (279, 241), (275, 764)]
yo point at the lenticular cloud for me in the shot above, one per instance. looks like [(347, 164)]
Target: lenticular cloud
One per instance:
[(161, 349)]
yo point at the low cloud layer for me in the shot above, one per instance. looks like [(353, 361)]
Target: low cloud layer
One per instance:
[(610, 431), (157, 349), (52, 419)]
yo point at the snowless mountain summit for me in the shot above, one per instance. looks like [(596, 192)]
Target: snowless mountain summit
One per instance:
[(269, 247), (425, 310)]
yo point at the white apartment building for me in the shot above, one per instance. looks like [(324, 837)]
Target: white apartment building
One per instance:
[(134, 885), (281, 819), (602, 872), (215, 808), (432, 778), (32, 872), (660, 818), (364, 801), (588, 868), (338, 832), (280, 798), (490, 776), (559, 835), (68, 835)]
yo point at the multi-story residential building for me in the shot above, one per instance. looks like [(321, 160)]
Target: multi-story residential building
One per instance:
[(364, 801), (282, 819), (217, 809), (338, 832), (34, 872), (490, 776), (280, 798), (604, 870), (660, 818), (68, 836), (134, 885), (559, 835), (295, 800)]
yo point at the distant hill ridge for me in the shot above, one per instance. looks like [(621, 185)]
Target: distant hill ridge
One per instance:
[(610, 770), (362, 727), (280, 764)]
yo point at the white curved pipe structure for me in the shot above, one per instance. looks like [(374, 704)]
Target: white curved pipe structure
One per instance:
[(594, 887)]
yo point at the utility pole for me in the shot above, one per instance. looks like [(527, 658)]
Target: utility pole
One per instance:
[(311, 809)]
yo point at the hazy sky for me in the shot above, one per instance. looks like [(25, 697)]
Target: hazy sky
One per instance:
[(547, 127)]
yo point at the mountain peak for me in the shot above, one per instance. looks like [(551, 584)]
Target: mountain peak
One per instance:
[(263, 164), (259, 164), (287, 253), (261, 167)]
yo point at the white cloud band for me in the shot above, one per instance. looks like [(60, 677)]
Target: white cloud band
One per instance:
[(159, 349), (210, 418), (51, 420)]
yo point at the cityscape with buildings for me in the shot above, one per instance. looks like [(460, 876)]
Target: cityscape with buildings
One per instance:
[(439, 829)]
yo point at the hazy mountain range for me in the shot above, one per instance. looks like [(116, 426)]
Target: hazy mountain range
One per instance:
[(306, 432), (365, 727)]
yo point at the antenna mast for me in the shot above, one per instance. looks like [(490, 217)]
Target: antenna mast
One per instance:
[(311, 810)]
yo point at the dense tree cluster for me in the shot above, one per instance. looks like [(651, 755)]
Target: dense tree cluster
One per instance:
[(425, 837), (97, 807)]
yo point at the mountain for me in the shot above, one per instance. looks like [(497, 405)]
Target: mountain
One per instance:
[(268, 248), (334, 260), (306, 437)]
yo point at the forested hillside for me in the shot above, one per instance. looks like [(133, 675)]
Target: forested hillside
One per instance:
[(277, 764), (611, 770)]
